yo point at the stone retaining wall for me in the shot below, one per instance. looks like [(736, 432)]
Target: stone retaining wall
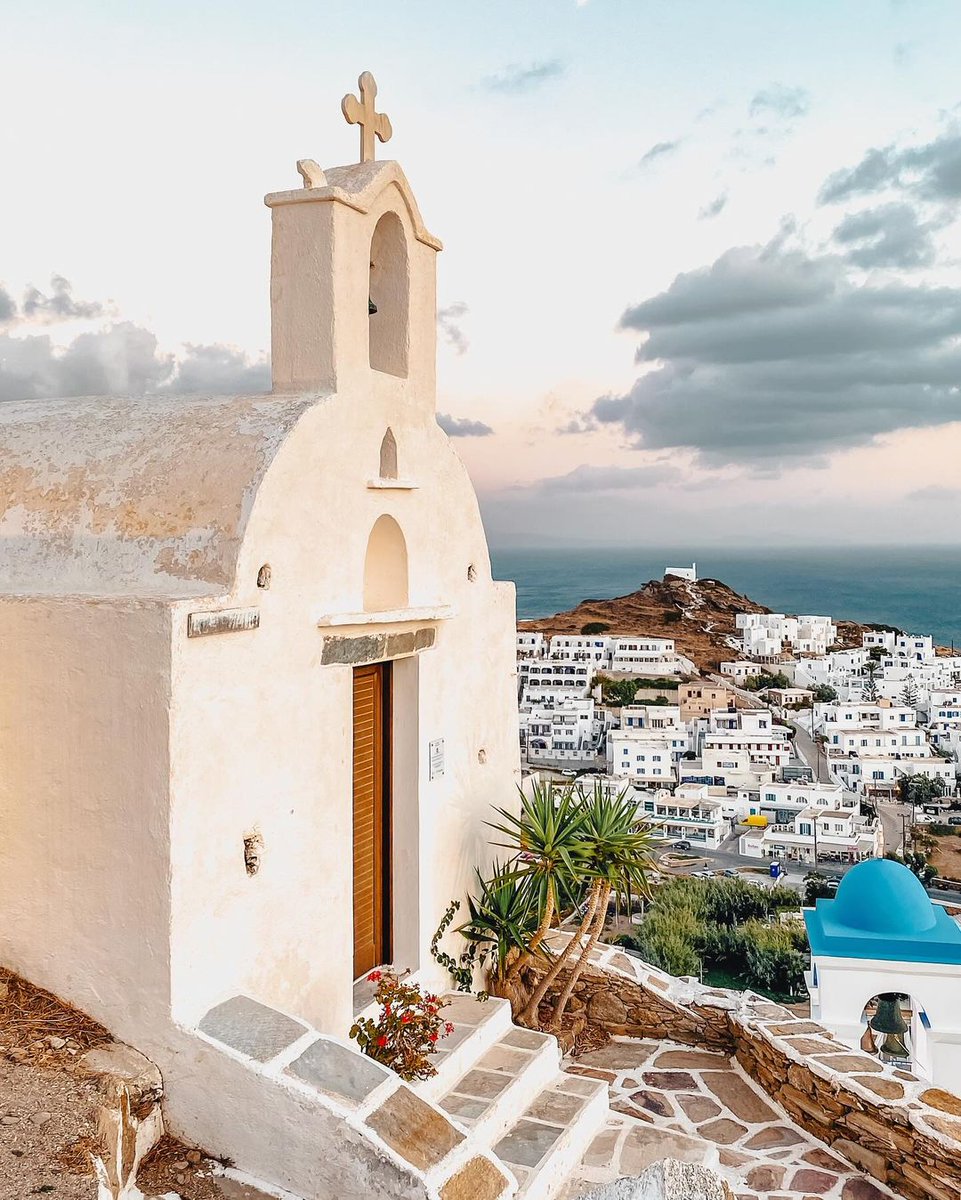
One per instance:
[(886, 1122)]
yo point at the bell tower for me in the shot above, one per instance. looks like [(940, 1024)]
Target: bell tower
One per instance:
[(353, 274)]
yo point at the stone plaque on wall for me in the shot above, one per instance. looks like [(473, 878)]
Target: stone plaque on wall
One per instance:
[(228, 620), (436, 758)]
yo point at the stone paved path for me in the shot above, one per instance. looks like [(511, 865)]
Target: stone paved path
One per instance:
[(672, 1101)]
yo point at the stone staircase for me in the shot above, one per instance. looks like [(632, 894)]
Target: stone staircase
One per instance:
[(503, 1085), (500, 1119)]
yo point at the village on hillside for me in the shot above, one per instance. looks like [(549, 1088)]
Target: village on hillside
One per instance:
[(793, 748)]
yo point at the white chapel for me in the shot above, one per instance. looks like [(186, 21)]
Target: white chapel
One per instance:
[(259, 683)]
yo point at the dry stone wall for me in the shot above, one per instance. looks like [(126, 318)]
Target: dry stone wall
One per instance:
[(886, 1122)]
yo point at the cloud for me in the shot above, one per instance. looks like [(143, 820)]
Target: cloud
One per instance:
[(8, 306), (659, 150), (587, 478), (448, 322), (219, 370), (891, 235), (516, 79), (713, 208), (931, 171), (59, 305), (773, 355), (780, 102), (123, 359), (582, 423), (935, 493), (462, 426)]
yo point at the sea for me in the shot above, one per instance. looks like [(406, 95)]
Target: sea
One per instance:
[(916, 589)]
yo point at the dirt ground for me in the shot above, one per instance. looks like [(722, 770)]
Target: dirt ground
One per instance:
[(947, 857), (43, 1115), (48, 1105)]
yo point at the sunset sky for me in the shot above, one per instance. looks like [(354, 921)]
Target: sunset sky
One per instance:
[(702, 266)]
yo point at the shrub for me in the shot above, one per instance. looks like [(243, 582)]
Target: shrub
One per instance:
[(593, 627), (408, 1029)]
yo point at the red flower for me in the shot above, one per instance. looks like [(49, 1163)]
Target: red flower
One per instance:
[(375, 977), (405, 1018), (433, 1037), (448, 1028), (386, 1010), (382, 1041)]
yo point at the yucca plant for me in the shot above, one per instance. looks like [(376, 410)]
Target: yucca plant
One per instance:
[(614, 855), (546, 838), (503, 919)]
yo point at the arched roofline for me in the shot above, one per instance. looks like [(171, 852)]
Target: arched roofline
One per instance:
[(360, 186)]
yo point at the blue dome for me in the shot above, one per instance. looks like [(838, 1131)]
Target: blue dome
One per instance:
[(883, 897)]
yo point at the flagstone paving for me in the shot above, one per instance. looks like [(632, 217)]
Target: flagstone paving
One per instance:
[(670, 1101)]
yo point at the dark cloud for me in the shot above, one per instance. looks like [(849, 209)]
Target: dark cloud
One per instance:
[(658, 150), (587, 478), (772, 354), (516, 79), (462, 426), (931, 171), (780, 102), (449, 323), (123, 359), (59, 305), (745, 279), (584, 423), (713, 208), (8, 306), (219, 370), (891, 235)]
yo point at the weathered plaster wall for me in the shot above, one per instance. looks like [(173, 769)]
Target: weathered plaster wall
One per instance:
[(891, 1125), (262, 728), (83, 793), (142, 496)]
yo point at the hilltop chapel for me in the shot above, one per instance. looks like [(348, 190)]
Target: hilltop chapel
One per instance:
[(260, 684)]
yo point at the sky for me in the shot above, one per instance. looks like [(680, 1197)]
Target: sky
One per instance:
[(702, 268)]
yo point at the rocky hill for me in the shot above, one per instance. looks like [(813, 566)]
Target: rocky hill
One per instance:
[(698, 616)]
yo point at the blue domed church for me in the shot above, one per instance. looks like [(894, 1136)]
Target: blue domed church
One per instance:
[(886, 970)]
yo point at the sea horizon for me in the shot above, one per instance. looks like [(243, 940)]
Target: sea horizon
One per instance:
[(913, 588)]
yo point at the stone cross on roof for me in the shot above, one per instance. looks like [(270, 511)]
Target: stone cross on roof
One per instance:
[(361, 112)]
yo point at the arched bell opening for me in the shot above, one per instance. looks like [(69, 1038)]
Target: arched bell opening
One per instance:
[(389, 297)]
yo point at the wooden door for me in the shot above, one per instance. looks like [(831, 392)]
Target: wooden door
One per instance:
[(372, 891)]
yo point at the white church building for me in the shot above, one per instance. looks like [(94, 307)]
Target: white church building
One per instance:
[(244, 637), (882, 936)]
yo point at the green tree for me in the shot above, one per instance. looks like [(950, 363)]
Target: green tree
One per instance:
[(546, 841), (823, 693), (871, 669), (816, 887), (909, 694), (593, 627), (615, 856)]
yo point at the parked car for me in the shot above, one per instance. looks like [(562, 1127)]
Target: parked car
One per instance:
[(681, 845)]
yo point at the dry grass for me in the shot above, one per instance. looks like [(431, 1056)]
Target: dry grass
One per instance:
[(946, 858), (29, 1017)]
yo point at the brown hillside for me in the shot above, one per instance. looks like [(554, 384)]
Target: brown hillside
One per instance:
[(698, 616)]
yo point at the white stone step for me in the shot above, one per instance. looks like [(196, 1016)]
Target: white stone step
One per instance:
[(478, 1024), (488, 1098), (551, 1135)]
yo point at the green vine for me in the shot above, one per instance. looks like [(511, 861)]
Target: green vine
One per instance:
[(460, 970)]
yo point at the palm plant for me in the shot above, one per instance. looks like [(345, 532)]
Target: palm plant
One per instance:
[(503, 918), (612, 853), (619, 854), (546, 838)]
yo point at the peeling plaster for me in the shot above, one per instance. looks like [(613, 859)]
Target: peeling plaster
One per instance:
[(105, 496)]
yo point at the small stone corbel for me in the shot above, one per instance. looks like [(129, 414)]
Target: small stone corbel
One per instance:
[(312, 173)]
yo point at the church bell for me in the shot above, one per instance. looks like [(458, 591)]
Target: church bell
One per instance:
[(888, 1021)]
